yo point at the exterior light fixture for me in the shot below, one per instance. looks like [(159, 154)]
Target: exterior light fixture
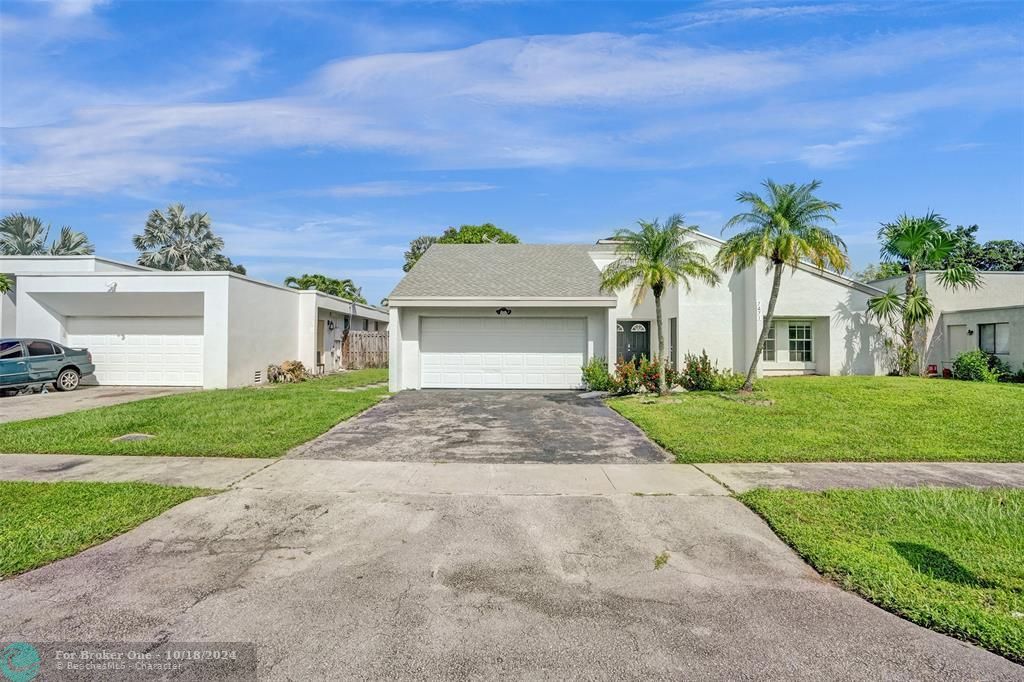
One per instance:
[(503, 311)]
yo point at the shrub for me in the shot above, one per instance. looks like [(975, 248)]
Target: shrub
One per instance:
[(730, 381), (975, 365), (700, 374), (640, 375), (596, 376)]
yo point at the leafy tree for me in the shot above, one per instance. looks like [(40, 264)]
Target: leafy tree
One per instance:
[(917, 244), (877, 271), (417, 247), (785, 228), (342, 288), (466, 234), (999, 254), (175, 241), (225, 263), (654, 257), (6, 283), (22, 235)]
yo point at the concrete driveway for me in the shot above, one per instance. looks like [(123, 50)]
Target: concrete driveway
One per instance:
[(487, 426), (35, 405), (371, 584)]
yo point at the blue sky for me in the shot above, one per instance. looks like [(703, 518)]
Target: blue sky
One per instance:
[(322, 137)]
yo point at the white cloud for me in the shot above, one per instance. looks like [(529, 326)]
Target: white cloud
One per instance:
[(709, 17), (73, 9), (385, 188), (592, 99)]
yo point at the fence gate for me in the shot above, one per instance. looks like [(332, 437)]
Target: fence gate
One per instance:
[(364, 349)]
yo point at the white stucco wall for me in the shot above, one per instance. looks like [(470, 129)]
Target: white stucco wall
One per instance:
[(263, 328), (8, 314), (942, 354), (853, 343)]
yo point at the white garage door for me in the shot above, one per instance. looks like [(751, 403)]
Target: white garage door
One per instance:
[(508, 352), (142, 351)]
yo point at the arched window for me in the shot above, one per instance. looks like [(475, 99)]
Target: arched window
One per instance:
[(618, 328), (638, 328)]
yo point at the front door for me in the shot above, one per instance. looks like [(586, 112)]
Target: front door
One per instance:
[(959, 341), (634, 340)]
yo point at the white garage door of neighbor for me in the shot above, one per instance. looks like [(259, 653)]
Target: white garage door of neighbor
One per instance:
[(509, 352), (142, 351)]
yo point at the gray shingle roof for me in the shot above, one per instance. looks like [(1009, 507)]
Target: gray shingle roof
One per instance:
[(503, 271)]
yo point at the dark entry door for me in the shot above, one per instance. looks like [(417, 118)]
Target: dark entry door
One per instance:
[(634, 340)]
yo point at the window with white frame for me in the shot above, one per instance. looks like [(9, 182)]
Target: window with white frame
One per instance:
[(994, 338), (769, 345), (800, 342)]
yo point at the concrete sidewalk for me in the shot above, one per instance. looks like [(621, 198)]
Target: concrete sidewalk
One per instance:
[(206, 472), (740, 478), (336, 476)]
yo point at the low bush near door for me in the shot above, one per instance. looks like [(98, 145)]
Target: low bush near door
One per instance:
[(977, 365)]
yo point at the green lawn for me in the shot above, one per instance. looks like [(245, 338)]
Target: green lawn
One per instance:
[(239, 422), (950, 560), (43, 522), (840, 419)]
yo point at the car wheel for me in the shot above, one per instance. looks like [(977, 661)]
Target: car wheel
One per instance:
[(67, 380)]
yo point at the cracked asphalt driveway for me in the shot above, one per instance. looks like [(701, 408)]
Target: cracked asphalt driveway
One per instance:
[(487, 426), (371, 585)]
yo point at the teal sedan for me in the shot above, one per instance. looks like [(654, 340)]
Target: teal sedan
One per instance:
[(28, 362)]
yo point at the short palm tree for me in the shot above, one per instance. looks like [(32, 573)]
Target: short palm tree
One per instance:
[(784, 228), (174, 241), (22, 235), (654, 257), (343, 288), (916, 244), (6, 284)]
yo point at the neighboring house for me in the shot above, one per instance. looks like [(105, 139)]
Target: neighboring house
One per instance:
[(530, 315), (990, 317), (157, 328)]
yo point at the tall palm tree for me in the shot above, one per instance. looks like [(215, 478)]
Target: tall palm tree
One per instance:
[(916, 244), (22, 235), (785, 227), (174, 241), (654, 257), (343, 288)]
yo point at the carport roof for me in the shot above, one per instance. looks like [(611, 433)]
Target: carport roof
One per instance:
[(488, 271)]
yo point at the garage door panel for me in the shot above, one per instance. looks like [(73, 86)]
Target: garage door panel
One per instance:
[(502, 352), (133, 354)]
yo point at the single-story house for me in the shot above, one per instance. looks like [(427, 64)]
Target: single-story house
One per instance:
[(157, 328), (990, 317), (530, 316)]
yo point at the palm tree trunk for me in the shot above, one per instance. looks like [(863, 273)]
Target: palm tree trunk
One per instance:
[(906, 358), (748, 385), (662, 357)]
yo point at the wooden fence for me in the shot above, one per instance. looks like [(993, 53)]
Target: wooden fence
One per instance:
[(364, 349)]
